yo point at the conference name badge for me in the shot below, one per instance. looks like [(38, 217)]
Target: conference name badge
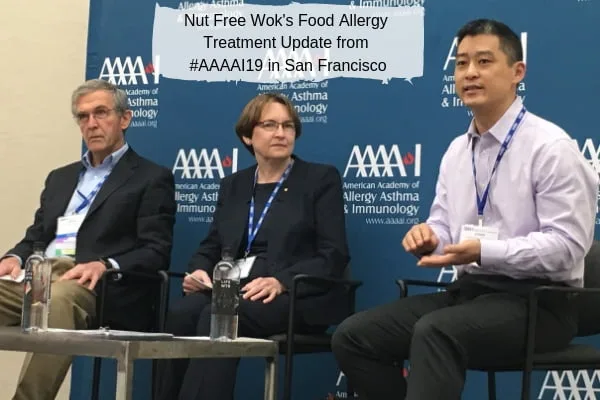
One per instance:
[(66, 235), (478, 232), (245, 265)]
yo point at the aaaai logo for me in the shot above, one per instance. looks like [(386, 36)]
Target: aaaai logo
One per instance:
[(591, 152), (130, 71), (447, 274), (570, 385), (204, 164), (383, 162)]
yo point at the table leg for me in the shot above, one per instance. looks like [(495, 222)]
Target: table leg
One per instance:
[(124, 379), (271, 378)]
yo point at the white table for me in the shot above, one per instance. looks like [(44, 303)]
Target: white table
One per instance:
[(127, 349)]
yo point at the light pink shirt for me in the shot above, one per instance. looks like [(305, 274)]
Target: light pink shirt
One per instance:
[(542, 199)]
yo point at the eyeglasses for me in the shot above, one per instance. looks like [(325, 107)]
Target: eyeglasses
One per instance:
[(272, 126), (100, 113)]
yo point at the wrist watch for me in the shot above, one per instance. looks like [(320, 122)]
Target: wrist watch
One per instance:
[(106, 263)]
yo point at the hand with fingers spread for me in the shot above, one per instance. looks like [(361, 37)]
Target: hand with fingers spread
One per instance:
[(465, 252), (10, 266), (196, 281), (89, 272), (420, 240), (259, 288)]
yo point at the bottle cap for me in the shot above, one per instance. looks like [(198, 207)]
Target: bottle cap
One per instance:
[(226, 253)]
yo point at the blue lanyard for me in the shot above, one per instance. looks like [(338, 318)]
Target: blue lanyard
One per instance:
[(88, 199), (483, 199), (252, 231)]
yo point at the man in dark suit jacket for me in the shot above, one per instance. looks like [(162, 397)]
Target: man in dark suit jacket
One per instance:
[(303, 232), (125, 208)]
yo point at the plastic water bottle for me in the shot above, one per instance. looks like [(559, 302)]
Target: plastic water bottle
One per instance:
[(36, 296), (225, 299)]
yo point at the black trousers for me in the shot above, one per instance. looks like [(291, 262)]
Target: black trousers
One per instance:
[(213, 378), (475, 322)]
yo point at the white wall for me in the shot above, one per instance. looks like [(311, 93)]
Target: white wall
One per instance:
[(42, 59)]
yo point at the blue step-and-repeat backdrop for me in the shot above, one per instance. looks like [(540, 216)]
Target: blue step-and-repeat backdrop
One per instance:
[(373, 83)]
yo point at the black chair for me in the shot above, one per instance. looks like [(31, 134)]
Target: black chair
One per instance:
[(305, 342), (158, 278), (575, 356)]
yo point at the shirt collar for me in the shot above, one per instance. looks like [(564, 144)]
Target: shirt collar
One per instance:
[(109, 161), (502, 126)]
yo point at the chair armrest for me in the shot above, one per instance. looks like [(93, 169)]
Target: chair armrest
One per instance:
[(159, 277), (533, 306), (532, 315), (326, 282), (565, 289), (173, 274), (323, 281), (403, 284), (139, 276)]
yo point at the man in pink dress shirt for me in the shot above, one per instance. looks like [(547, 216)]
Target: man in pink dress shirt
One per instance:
[(514, 208)]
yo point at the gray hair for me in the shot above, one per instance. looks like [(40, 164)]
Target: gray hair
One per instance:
[(93, 85)]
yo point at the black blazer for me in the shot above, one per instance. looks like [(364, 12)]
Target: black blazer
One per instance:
[(306, 225), (130, 220)]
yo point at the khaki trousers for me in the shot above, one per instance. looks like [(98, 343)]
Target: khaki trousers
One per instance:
[(71, 307)]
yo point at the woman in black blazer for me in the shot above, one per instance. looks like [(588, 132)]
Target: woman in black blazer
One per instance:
[(303, 232)]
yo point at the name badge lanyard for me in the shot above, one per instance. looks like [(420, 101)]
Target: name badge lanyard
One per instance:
[(481, 201), (252, 230), (86, 200)]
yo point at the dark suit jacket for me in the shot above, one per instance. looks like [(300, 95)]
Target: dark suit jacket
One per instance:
[(306, 225), (130, 220)]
